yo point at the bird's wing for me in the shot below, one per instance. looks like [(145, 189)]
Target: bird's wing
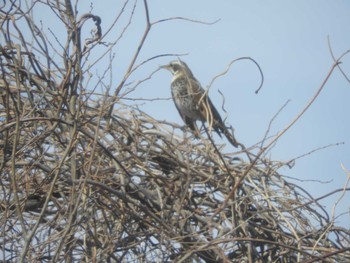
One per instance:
[(209, 113)]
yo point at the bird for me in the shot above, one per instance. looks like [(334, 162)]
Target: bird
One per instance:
[(193, 102)]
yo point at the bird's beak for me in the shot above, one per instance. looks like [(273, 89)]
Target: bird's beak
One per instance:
[(165, 67)]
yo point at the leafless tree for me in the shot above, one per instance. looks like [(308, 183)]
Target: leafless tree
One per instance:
[(84, 177)]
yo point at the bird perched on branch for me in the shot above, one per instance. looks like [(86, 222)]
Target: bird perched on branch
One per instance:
[(193, 102)]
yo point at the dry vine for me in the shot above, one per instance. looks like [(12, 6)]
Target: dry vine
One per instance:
[(84, 177)]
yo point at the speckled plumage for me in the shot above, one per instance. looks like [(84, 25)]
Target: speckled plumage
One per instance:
[(192, 102)]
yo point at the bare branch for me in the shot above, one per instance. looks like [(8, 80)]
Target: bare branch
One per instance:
[(87, 178)]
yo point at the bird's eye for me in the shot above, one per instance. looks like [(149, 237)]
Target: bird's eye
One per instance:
[(175, 67)]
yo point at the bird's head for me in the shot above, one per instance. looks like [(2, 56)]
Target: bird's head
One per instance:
[(178, 67)]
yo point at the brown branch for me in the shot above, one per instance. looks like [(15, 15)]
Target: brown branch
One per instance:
[(239, 181)]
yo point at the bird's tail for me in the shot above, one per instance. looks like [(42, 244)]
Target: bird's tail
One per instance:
[(220, 128)]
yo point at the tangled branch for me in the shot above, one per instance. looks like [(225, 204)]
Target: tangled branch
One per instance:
[(80, 181)]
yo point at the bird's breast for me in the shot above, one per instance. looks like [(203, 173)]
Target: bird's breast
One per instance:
[(184, 99)]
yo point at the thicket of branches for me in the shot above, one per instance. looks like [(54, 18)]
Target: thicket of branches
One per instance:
[(84, 177)]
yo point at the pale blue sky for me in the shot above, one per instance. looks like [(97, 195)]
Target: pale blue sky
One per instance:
[(289, 41)]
